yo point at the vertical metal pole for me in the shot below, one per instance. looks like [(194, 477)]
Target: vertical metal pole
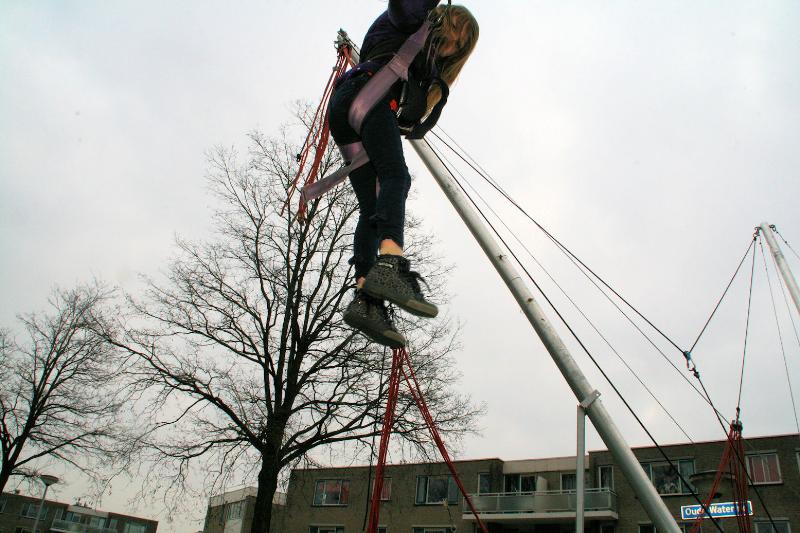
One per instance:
[(600, 418), (39, 510), (783, 266), (579, 470)]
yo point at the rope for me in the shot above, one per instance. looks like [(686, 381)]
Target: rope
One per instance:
[(746, 333), (372, 443), (401, 365), (785, 241), (319, 131), (416, 392), (580, 266), (577, 261), (780, 336), (740, 482), (752, 242), (786, 303), (500, 190), (740, 457), (581, 344), (578, 309), (388, 421)]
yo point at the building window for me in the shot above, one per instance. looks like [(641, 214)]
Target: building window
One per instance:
[(29, 510), (665, 478), (436, 489), (607, 528), (568, 482), (332, 492), (763, 526), (511, 483), (520, 482), (386, 490), (484, 483), (97, 521), (233, 511), (436, 529), (605, 477), (112, 524), (135, 527), (764, 468), (326, 529)]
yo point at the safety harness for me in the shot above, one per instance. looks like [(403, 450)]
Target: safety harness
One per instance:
[(410, 109)]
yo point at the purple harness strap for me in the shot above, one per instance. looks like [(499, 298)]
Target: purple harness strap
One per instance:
[(373, 92), (378, 85), (354, 155)]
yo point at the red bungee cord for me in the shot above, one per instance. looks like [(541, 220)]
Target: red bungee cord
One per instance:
[(319, 132), (401, 365)]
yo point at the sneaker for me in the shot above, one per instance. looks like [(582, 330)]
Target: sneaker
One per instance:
[(391, 279), (369, 316)]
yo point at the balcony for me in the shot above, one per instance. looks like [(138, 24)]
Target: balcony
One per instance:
[(539, 507), (65, 526)]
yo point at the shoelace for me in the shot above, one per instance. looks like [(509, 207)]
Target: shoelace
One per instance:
[(414, 278), (383, 309)]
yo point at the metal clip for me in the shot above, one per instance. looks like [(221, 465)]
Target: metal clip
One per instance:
[(589, 400)]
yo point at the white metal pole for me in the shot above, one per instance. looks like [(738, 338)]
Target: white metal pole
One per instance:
[(47, 480), (616, 443), (579, 470), (783, 266), (39, 510)]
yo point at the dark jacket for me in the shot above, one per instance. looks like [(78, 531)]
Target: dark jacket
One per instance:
[(389, 31)]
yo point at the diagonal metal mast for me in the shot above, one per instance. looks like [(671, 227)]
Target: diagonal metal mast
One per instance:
[(586, 395), (783, 266)]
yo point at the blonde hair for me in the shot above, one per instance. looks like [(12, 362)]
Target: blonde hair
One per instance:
[(456, 26)]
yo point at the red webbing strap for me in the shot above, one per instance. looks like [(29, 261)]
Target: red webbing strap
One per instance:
[(401, 363), (318, 132), (416, 392), (743, 516), (388, 420), (730, 463)]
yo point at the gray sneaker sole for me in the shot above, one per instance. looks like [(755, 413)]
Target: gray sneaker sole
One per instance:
[(415, 307), (386, 337)]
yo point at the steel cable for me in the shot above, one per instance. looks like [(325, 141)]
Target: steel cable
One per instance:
[(582, 345)]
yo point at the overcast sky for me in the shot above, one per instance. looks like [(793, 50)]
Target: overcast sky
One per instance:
[(651, 137)]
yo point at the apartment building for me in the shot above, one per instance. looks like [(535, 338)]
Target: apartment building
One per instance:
[(232, 512), (538, 495), (18, 514)]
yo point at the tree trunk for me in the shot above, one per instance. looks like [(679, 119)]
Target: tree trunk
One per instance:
[(10, 458), (267, 486), (5, 474)]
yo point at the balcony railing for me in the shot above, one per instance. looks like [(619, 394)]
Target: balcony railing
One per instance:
[(65, 526), (542, 502)]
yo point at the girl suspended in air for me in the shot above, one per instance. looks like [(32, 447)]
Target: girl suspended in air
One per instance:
[(382, 185)]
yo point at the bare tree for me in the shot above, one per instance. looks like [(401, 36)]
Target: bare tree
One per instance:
[(244, 346), (58, 398)]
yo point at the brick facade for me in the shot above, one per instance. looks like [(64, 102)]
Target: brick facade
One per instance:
[(17, 515), (528, 496)]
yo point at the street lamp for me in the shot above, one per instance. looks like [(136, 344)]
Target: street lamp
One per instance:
[(47, 480)]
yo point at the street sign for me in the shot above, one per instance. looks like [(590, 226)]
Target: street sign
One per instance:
[(717, 510)]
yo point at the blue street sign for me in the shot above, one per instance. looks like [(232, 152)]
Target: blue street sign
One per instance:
[(717, 510)]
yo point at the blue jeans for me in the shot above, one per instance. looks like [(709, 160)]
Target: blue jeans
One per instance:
[(381, 210)]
